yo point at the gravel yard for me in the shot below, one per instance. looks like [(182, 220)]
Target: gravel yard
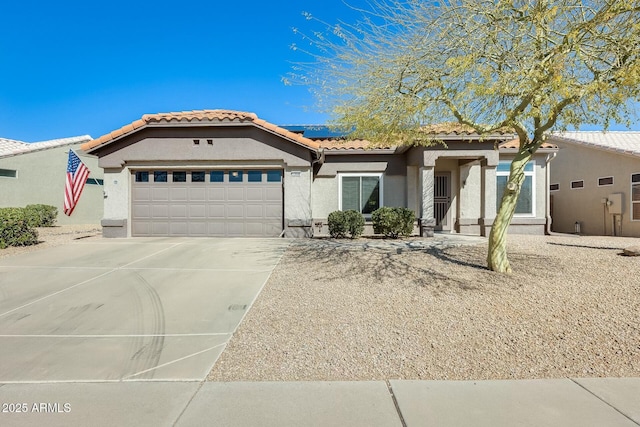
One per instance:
[(55, 236), (347, 312)]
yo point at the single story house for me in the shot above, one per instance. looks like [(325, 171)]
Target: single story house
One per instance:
[(34, 173), (595, 182), (229, 173)]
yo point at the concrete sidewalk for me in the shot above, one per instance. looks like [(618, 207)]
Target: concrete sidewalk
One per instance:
[(594, 402)]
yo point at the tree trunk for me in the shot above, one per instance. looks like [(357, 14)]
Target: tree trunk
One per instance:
[(497, 256)]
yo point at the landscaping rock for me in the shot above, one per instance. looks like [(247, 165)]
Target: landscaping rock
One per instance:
[(632, 251)]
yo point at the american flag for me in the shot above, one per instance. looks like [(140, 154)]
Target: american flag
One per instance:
[(77, 174)]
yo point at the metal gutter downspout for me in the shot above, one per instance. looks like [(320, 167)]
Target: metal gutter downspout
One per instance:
[(547, 228)]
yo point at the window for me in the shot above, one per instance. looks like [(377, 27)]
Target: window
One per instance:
[(635, 197), (159, 176), (216, 176), (197, 176), (179, 176), (361, 192), (575, 185), (274, 176), (254, 176), (94, 181), (554, 187), (235, 176), (8, 173), (608, 180), (527, 199), (142, 176)]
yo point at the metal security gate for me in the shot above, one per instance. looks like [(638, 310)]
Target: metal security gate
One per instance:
[(442, 200), (214, 203)]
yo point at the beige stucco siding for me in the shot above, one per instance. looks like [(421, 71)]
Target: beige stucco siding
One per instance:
[(585, 205), (41, 179)]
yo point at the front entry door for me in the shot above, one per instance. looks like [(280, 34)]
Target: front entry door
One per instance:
[(442, 200)]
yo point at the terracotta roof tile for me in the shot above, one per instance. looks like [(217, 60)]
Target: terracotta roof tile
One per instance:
[(344, 144), (455, 128), (515, 143), (207, 116)]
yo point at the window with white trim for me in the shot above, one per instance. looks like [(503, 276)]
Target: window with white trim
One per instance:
[(361, 192), (527, 198), (605, 181), (635, 197)]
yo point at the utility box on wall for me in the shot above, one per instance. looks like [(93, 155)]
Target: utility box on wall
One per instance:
[(615, 203)]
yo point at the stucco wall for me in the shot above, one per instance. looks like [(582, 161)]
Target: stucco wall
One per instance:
[(41, 178), (585, 205), (297, 202)]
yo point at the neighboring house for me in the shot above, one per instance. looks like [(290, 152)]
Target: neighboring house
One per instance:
[(595, 182), (229, 173), (34, 173)]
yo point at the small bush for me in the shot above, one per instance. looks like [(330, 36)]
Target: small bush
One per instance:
[(355, 223), (393, 222), (15, 229), (349, 222), (337, 224), (41, 215)]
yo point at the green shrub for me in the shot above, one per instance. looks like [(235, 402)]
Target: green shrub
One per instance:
[(349, 222), (41, 215), (355, 223), (337, 224), (15, 229), (393, 222)]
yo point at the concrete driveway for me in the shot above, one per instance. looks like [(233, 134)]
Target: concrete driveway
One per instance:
[(134, 309)]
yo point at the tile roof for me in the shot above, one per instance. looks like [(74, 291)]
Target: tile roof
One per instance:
[(345, 144), (622, 142), (456, 129), (9, 147), (515, 143), (200, 117)]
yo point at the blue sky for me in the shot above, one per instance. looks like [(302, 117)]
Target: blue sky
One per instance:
[(81, 67)]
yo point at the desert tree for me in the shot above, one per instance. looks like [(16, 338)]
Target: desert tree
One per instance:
[(531, 66)]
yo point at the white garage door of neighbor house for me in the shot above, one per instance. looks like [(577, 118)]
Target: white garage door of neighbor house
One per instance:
[(215, 203)]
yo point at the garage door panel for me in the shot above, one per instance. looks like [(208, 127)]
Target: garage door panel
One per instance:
[(235, 229), (217, 228), (178, 211), (273, 211), (178, 228), (254, 211), (179, 194), (273, 194), (141, 194), (141, 228), (197, 211), (159, 211), (217, 194), (198, 228), (216, 211), (160, 228), (254, 229), (255, 194), (234, 211), (207, 208), (141, 211), (160, 194), (235, 194), (197, 194)]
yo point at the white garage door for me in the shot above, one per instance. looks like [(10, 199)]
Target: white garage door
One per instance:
[(224, 203)]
